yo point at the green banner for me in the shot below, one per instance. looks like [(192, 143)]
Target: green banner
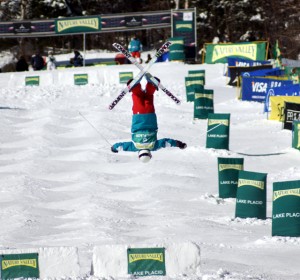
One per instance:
[(32, 81), (218, 131), (286, 209), (218, 53), (19, 266), (124, 77), (81, 79), (197, 73), (251, 195), (193, 84), (146, 261), (78, 25), (203, 103), (228, 173), (296, 135), (177, 49)]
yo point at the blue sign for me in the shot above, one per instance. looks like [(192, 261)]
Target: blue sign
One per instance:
[(264, 72), (237, 61), (293, 90), (256, 89)]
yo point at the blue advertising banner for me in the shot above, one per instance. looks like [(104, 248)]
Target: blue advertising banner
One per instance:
[(264, 72), (292, 90), (237, 61), (256, 89)]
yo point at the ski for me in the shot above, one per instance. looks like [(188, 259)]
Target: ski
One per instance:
[(158, 53), (121, 49)]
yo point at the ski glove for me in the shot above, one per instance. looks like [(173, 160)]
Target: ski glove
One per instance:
[(114, 150), (180, 144)]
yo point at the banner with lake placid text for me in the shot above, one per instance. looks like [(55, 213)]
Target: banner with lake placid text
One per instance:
[(217, 136), (218, 53), (146, 261), (251, 196), (286, 209), (228, 173)]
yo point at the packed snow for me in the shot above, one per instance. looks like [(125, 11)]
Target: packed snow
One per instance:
[(61, 186)]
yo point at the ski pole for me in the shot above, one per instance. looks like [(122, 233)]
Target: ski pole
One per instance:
[(94, 128)]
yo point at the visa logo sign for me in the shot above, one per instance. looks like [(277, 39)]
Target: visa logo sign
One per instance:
[(259, 87)]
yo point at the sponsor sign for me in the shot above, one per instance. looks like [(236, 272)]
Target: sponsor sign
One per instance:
[(184, 26), (177, 49), (125, 76), (286, 209), (277, 106), (296, 135), (203, 103), (78, 25), (228, 174), (81, 79), (133, 21), (240, 62), (251, 195), (32, 81), (291, 113), (235, 72), (19, 266), (193, 84), (22, 27), (197, 73), (146, 261), (218, 53), (257, 89), (218, 131)]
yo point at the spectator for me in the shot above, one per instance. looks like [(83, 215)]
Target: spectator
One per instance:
[(135, 47), (77, 60), (37, 62), (22, 64), (51, 61)]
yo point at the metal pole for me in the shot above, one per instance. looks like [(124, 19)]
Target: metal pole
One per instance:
[(83, 49), (195, 27)]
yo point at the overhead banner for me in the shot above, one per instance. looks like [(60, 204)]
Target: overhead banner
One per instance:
[(277, 106), (146, 261), (228, 174), (291, 113), (256, 88), (218, 53), (217, 136), (78, 25), (133, 21), (251, 196), (22, 27), (203, 103), (19, 266), (286, 209)]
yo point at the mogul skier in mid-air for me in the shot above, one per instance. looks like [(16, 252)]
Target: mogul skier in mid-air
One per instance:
[(144, 124)]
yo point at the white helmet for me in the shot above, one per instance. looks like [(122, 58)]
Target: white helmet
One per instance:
[(144, 156)]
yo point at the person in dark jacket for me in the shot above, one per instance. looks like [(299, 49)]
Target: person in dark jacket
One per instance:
[(22, 64), (77, 59), (37, 62), (144, 124)]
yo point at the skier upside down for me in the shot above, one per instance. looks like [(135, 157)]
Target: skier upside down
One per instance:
[(144, 124)]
